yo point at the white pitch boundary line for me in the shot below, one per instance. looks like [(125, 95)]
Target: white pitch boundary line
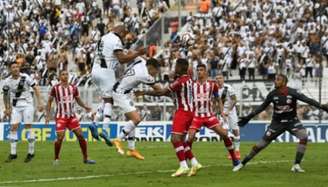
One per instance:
[(124, 174)]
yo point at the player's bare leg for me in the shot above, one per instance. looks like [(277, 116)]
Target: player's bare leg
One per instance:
[(83, 146), (13, 138), (195, 165), (177, 141), (227, 142), (31, 143), (57, 145), (301, 147)]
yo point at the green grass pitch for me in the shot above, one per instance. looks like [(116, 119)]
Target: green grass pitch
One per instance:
[(270, 168)]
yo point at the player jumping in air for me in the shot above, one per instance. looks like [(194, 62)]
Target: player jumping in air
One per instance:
[(284, 118)]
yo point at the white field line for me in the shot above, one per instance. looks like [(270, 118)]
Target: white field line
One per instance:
[(123, 174)]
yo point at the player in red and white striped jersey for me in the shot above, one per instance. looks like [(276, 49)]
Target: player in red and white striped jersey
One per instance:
[(65, 96), (204, 91), (182, 89)]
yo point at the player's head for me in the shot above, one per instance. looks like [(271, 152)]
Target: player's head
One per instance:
[(121, 30), (14, 68), (181, 67), (220, 79), (280, 81), (63, 76), (152, 66), (201, 71)]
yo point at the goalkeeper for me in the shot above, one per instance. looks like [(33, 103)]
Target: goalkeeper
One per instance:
[(284, 118)]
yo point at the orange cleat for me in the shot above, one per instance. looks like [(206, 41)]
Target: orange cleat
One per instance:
[(135, 154), (117, 143)]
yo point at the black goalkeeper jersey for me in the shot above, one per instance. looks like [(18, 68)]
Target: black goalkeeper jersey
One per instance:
[(284, 104)]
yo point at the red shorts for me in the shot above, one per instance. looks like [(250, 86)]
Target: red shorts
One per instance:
[(70, 123), (181, 122), (209, 122)]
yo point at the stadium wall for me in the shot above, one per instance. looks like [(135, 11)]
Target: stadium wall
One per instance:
[(160, 131)]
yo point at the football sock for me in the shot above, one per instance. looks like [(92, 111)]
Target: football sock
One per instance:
[(83, 146), (58, 144), (13, 142), (188, 153), (31, 141), (179, 149), (236, 143), (301, 147), (127, 129), (229, 146), (131, 140), (255, 150)]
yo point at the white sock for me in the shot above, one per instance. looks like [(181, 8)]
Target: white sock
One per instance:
[(107, 112), (31, 141), (13, 142), (236, 143), (183, 164), (127, 129), (106, 124), (131, 140), (194, 161)]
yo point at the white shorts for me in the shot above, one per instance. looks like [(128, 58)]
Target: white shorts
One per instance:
[(124, 101), (23, 114), (232, 121), (104, 78)]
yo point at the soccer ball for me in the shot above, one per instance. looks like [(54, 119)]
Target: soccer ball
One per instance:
[(187, 39)]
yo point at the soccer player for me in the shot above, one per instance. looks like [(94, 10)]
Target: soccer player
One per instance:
[(137, 72), (19, 107), (229, 100), (109, 53), (284, 118), (65, 95), (204, 92), (182, 89)]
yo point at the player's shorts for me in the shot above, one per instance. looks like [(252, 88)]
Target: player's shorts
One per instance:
[(276, 128), (124, 101), (71, 123), (232, 121), (209, 122), (104, 78), (181, 121), (23, 114)]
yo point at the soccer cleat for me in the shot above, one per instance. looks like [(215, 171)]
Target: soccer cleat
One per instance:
[(297, 169), (94, 131), (55, 162), (117, 143), (89, 162), (235, 162), (194, 170), (107, 141), (11, 158), (29, 157), (135, 154), (180, 171), (238, 167)]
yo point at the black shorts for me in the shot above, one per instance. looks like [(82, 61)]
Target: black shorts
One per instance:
[(276, 128)]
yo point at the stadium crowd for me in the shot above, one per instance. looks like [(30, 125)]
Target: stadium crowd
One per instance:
[(254, 38), (47, 36)]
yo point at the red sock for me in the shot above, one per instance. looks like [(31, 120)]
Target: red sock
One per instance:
[(179, 149), (57, 148), (187, 150), (228, 144), (83, 145)]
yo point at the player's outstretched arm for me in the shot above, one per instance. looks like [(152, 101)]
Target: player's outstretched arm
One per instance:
[(244, 120), (157, 91), (6, 100), (36, 89), (126, 57), (310, 101)]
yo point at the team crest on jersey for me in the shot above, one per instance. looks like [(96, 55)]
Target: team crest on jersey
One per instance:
[(289, 101), (268, 133)]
